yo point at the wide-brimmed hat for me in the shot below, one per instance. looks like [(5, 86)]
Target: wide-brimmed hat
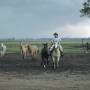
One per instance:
[(55, 33)]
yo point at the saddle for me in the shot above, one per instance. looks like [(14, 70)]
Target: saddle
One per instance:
[(53, 50)]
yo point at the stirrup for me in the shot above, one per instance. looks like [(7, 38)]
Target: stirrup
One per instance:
[(61, 54)]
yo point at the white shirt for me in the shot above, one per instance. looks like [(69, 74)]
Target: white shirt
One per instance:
[(56, 40)]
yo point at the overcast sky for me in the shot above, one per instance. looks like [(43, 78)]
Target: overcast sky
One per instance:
[(41, 18)]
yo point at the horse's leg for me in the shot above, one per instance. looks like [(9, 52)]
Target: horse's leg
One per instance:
[(47, 61), (35, 53), (58, 61), (32, 54), (2, 53), (23, 55), (44, 63), (54, 63), (5, 52)]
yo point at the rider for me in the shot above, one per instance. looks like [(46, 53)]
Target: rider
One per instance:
[(56, 40)]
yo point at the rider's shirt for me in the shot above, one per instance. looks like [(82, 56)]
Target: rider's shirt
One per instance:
[(56, 40)]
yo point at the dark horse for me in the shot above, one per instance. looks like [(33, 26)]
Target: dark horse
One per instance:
[(45, 55), (87, 46)]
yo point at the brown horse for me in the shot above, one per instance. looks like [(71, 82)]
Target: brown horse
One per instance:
[(28, 49), (32, 49), (24, 50)]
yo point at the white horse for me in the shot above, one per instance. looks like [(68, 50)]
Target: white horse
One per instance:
[(56, 55), (3, 49)]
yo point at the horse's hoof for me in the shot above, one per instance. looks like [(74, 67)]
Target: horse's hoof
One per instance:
[(44, 66), (23, 57), (53, 68)]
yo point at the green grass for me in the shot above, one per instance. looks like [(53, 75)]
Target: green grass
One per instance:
[(70, 46)]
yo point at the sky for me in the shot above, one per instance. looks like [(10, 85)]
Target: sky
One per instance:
[(41, 18)]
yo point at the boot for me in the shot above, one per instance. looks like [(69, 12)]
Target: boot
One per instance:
[(51, 51), (61, 54)]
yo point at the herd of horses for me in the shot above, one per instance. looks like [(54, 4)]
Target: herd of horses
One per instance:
[(27, 49), (32, 50)]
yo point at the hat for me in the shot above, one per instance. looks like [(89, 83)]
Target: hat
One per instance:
[(55, 33)]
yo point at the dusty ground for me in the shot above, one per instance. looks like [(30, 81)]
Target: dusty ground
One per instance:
[(18, 74)]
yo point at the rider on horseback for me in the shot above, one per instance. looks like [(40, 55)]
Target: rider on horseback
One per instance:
[(56, 43)]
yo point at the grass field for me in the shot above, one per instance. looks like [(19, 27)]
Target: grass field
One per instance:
[(70, 45)]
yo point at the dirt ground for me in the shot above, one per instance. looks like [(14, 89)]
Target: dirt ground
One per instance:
[(19, 74)]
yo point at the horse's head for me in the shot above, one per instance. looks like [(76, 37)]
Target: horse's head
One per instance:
[(45, 49), (45, 45), (55, 45), (28, 46)]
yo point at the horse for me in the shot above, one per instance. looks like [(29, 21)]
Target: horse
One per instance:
[(45, 53), (28, 49), (24, 50), (3, 49), (33, 49), (87, 47), (56, 56)]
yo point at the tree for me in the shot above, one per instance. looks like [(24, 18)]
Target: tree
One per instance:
[(85, 11)]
